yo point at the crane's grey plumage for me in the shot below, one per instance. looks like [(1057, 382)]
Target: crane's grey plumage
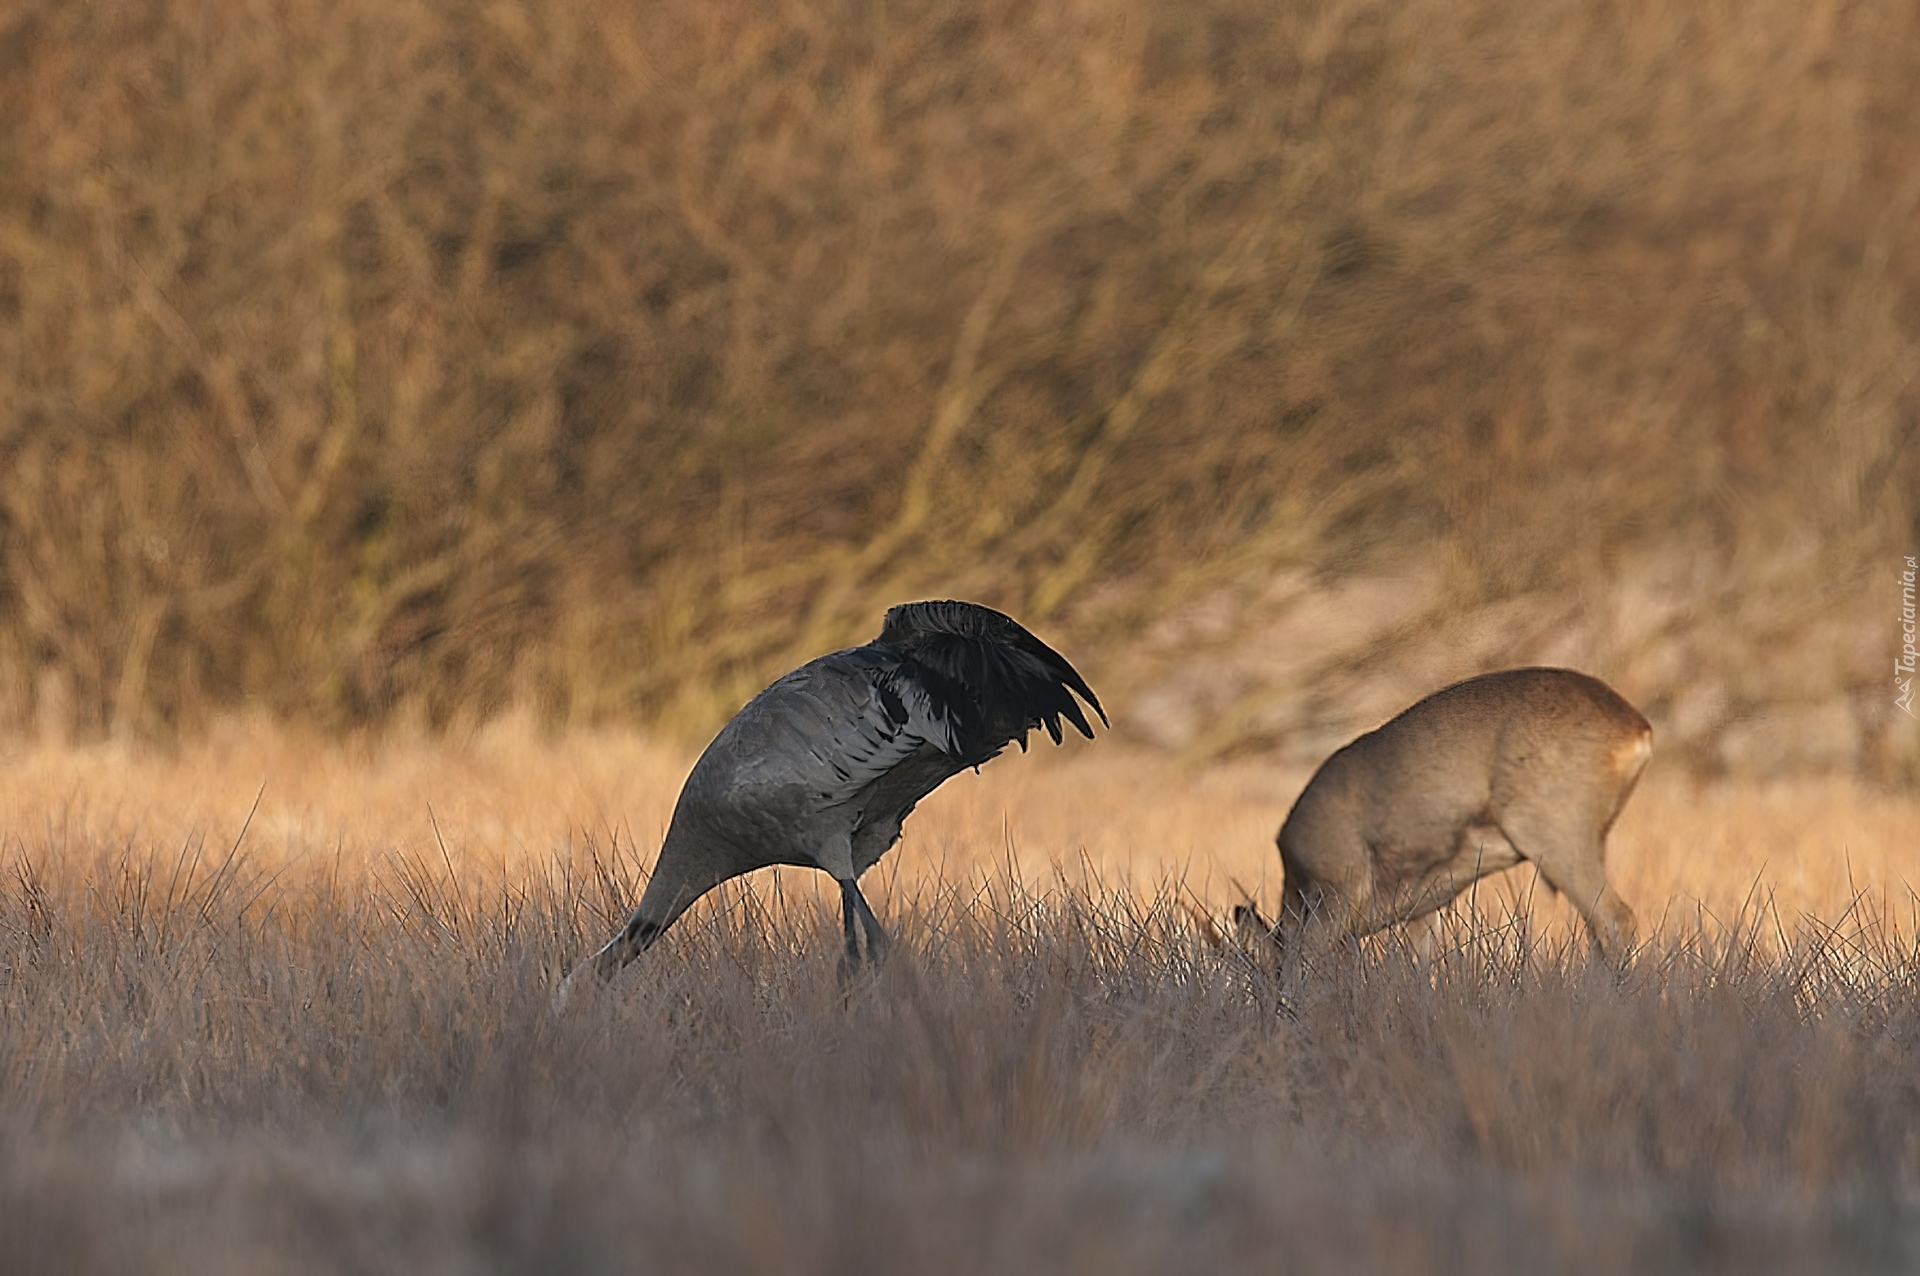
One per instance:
[(820, 769)]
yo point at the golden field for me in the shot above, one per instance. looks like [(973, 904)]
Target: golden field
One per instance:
[(322, 1038), (511, 803)]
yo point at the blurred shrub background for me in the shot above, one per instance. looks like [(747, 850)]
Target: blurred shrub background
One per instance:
[(409, 362)]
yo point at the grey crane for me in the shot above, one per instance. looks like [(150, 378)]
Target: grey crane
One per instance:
[(820, 769)]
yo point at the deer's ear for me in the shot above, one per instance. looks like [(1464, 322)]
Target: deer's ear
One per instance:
[(1208, 929)]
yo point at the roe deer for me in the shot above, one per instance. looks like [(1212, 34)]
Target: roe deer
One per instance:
[(1530, 764)]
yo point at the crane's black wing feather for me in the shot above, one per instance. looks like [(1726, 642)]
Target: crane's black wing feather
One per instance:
[(988, 673)]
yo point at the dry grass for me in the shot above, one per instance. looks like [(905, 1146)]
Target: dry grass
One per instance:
[(333, 1050)]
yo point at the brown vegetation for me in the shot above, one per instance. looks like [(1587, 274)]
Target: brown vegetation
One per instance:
[(607, 358)]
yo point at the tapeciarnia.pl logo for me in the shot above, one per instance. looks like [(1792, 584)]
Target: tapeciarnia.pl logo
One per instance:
[(1903, 665)]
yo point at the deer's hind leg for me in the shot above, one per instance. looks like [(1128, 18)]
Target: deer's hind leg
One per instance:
[(1569, 845)]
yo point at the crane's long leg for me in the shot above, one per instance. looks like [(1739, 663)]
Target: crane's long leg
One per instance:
[(850, 959), (878, 940), (855, 916)]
